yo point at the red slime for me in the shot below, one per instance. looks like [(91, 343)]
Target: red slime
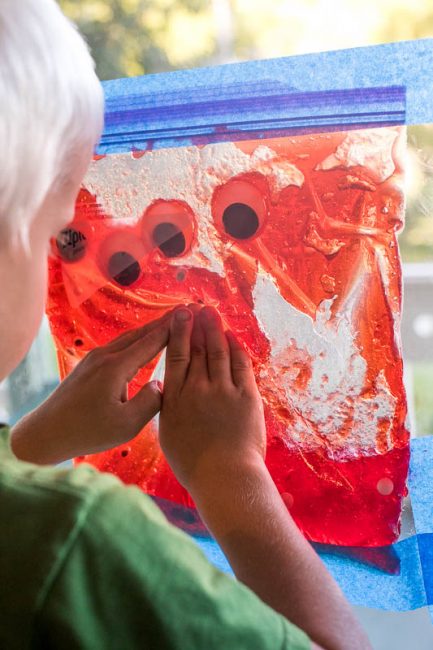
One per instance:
[(294, 241)]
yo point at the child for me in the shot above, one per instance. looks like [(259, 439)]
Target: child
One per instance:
[(86, 562)]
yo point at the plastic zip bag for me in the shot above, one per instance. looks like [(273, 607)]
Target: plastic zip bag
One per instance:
[(279, 203)]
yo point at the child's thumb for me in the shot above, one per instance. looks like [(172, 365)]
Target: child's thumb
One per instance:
[(146, 403)]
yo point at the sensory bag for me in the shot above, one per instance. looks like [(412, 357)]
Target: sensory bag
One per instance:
[(275, 196)]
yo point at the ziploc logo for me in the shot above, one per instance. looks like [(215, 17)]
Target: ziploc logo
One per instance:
[(71, 244)]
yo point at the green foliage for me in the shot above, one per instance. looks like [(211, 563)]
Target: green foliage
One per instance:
[(408, 22), (422, 383), (133, 37), (416, 240)]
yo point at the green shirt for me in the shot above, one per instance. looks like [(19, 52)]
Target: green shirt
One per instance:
[(86, 562)]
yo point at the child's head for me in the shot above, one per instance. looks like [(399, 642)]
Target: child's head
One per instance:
[(50, 120)]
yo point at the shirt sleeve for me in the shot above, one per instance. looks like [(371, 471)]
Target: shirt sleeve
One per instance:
[(131, 580)]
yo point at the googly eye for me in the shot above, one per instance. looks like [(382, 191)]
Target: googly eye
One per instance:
[(168, 228), (119, 258), (240, 221), (169, 239), (239, 209), (71, 243), (123, 268)]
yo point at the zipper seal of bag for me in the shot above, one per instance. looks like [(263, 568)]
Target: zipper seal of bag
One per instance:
[(246, 111)]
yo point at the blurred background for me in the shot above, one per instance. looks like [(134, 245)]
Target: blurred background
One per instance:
[(135, 37)]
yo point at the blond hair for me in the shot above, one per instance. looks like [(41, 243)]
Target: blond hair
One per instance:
[(51, 109)]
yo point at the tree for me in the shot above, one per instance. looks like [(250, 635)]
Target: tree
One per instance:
[(133, 37)]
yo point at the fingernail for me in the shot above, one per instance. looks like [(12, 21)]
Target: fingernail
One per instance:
[(156, 385), (183, 315)]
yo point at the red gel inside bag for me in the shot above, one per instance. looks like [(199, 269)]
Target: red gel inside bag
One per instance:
[(294, 241)]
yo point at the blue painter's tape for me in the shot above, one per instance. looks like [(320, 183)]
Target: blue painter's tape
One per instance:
[(372, 587), (425, 548), (421, 483), (213, 553), (373, 86), (398, 577), (363, 584)]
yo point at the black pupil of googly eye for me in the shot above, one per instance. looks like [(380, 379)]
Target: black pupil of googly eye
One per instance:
[(240, 221), (71, 244), (123, 268), (169, 239)]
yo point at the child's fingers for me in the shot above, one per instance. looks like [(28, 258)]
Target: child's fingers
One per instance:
[(128, 361), (217, 349), (178, 350), (127, 338), (198, 366), (144, 405), (241, 366)]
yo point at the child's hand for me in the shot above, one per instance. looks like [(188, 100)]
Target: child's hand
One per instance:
[(212, 431), (89, 411), (212, 413)]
